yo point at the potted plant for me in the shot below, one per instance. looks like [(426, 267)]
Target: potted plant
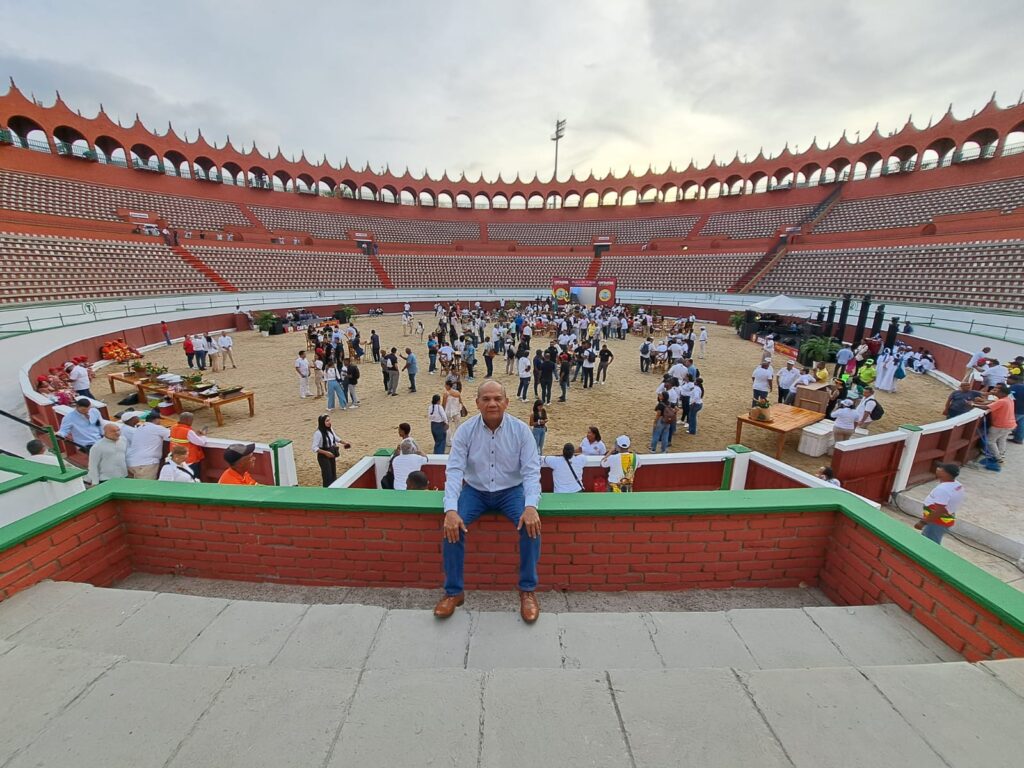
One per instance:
[(736, 320), (820, 348), (266, 321), (761, 410), (348, 312), (153, 370), (136, 368)]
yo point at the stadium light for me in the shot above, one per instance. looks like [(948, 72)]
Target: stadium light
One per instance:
[(559, 133)]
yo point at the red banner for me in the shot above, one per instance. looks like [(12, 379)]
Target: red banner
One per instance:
[(560, 289)]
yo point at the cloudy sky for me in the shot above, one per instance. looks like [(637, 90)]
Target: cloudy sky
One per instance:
[(477, 86)]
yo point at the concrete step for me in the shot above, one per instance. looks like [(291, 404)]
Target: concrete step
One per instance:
[(207, 631), (94, 710)]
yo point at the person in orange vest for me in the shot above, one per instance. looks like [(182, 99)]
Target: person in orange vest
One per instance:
[(240, 459), (183, 434)]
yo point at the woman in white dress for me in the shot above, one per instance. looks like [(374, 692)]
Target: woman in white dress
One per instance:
[(887, 366)]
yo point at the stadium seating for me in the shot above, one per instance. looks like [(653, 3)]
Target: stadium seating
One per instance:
[(762, 222), (919, 208), (640, 230), (712, 272), (983, 274), (36, 268), (336, 226), (265, 269), (464, 271), (63, 197)]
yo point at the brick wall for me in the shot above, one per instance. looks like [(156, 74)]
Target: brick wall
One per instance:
[(861, 569), (374, 549), (89, 548)]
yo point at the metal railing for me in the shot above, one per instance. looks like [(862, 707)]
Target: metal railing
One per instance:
[(50, 435)]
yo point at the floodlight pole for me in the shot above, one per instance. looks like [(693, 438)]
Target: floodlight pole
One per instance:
[(559, 133)]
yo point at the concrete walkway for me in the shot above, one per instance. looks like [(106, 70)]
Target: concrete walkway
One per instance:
[(108, 677)]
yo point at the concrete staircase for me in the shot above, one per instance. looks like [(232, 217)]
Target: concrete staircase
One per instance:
[(594, 269), (204, 269), (382, 274), (109, 677)]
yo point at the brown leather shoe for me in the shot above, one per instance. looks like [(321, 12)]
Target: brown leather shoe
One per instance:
[(448, 604), (529, 608)]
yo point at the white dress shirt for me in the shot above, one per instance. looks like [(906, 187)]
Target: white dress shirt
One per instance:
[(788, 378), (145, 444), (107, 460), (493, 461), (176, 473), (524, 367), (562, 478), (592, 449), (79, 377)]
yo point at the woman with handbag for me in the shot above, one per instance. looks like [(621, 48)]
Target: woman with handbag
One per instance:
[(438, 424), (566, 470), (326, 446)]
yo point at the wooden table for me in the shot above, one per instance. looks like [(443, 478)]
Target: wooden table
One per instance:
[(785, 419), (216, 403), (124, 378)]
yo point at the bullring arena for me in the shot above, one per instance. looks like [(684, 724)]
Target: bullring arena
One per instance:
[(733, 584)]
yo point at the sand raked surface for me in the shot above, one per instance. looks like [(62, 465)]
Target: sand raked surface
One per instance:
[(625, 405)]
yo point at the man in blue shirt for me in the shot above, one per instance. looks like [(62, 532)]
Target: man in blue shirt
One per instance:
[(493, 465), (83, 426), (411, 367), (843, 356)]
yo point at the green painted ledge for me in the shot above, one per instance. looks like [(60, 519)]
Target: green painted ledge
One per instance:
[(999, 598), (30, 472)]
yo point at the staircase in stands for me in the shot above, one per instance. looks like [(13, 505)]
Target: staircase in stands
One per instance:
[(594, 268), (774, 255), (204, 269), (382, 274)]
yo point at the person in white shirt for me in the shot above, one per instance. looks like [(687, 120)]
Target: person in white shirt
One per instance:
[(145, 446), (768, 348), (787, 379), (79, 378), (865, 407), (678, 371), (942, 504), (703, 338), (302, 369), (325, 447), (107, 456), (176, 468), (525, 370), (845, 423), (592, 445), (226, 344), (566, 470), (995, 373), (762, 377), (438, 419), (622, 464), (213, 350), (675, 351), (977, 358), (409, 459), (37, 452), (200, 348)]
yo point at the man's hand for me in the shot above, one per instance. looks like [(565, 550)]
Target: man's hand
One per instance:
[(531, 520), (453, 526)]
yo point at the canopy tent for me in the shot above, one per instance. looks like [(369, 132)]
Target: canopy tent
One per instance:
[(782, 305)]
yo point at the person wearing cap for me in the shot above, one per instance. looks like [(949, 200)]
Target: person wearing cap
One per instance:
[(762, 377), (844, 423), (622, 465), (176, 469), (239, 458), (787, 382), (107, 459), (183, 434), (145, 445), (843, 356), (493, 465), (942, 503), (78, 375), (83, 426)]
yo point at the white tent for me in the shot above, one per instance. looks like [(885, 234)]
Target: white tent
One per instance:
[(782, 305)]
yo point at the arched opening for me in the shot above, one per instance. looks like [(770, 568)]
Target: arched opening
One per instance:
[(711, 188), (387, 195), (809, 175), (347, 189), (554, 200), (734, 185), (481, 201), (938, 154), (282, 181), (28, 134), (144, 158), (900, 160), (204, 168), (407, 196), (572, 200), (368, 192), (591, 199), (669, 193), (427, 199), (463, 200), (535, 201), (837, 170), (868, 167), (305, 184), (691, 190), (984, 141), (232, 173), (499, 201), (258, 178), (517, 202), (782, 179), (628, 196), (1013, 144), (445, 200), (649, 195), (72, 143), (176, 164), (326, 186), (110, 151), (609, 197)]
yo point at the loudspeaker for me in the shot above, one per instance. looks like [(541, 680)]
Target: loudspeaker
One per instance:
[(339, 314)]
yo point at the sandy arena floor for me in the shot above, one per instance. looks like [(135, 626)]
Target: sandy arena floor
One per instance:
[(624, 405)]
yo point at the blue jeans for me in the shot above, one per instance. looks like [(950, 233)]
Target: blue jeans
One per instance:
[(334, 389), (934, 532), (564, 384), (1018, 433), (352, 394), (524, 387), (660, 435), (201, 360), (432, 357), (86, 393), (539, 433), (759, 394), (439, 431), (473, 503), (691, 417)]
